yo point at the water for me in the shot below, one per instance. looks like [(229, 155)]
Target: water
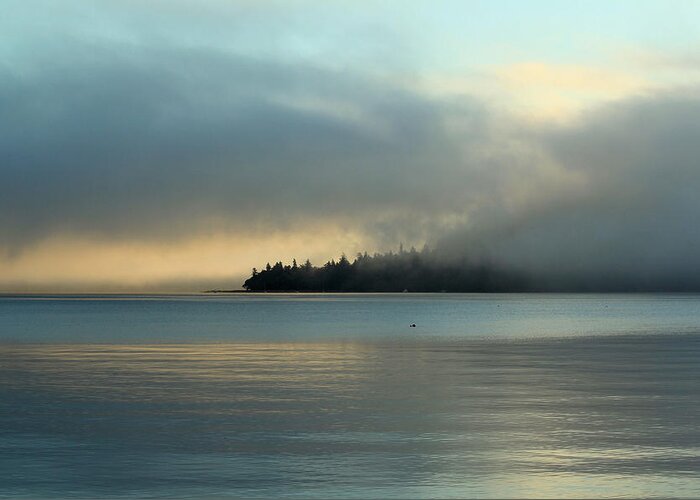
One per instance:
[(334, 396), (336, 317)]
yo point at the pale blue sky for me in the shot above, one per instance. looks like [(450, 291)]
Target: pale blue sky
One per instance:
[(441, 35)]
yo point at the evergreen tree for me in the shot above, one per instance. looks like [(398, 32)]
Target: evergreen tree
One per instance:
[(413, 271)]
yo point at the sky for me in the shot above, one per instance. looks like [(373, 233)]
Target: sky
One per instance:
[(174, 145)]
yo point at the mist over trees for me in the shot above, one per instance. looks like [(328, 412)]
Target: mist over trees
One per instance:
[(400, 271), (431, 270)]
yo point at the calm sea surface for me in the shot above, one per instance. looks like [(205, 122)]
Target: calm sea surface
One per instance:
[(336, 396)]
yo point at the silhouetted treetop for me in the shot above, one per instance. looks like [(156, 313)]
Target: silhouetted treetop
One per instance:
[(411, 271)]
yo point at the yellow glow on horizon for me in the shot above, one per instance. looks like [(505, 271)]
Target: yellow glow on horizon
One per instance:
[(221, 260)]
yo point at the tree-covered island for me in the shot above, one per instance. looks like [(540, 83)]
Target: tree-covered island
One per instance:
[(411, 271)]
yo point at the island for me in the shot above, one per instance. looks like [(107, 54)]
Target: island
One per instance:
[(402, 271)]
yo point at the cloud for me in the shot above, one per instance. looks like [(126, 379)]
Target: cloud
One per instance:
[(118, 140), (570, 77), (560, 91), (629, 221), (158, 142)]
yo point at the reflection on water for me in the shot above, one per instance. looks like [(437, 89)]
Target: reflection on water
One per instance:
[(577, 417)]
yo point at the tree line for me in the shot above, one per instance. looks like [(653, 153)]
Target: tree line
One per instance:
[(412, 271)]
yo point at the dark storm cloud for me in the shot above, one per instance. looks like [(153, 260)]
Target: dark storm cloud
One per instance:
[(140, 142)]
